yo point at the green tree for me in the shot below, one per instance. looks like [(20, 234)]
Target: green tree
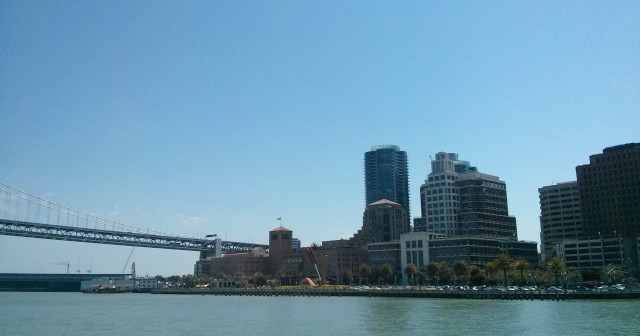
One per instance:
[(347, 277), (280, 275), (504, 263), (521, 266), (411, 270), (445, 273), (386, 271), (365, 273), (174, 280), (555, 265), (422, 276), (433, 271), (476, 276), (460, 270), (259, 279)]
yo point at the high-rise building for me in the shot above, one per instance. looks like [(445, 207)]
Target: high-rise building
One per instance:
[(387, 176), (610, 192), (559, 214), (459, 200)]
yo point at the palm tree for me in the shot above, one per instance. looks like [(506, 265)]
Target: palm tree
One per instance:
[(445, 274), (476, 276), (347, 277), (410, 270), (280, 275), (433, 270), (504, 263), (555, 265), (520, 265), (365, 272), (386, 271), (460, 270)]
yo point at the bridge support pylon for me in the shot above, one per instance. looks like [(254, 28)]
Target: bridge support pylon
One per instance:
[(216, 252)]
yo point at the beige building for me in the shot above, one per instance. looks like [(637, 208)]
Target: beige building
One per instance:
[(382, 221), (256, 260)]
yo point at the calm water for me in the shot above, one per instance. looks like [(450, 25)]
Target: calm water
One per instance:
[(146, 314)]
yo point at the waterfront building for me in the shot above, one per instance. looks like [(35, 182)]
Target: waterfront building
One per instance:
[(382, 221), (146, 283), (480, 250), (385, 253), (610, 192), (279, 246), (121, 283), (255, 260), (250, 262), (559, 214), (50, 282), (597, 253), (414, 249), (595, 221), (341, 257), (457, 200), (387, 176)]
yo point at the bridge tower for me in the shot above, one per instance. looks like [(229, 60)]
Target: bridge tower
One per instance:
[(216, 252)]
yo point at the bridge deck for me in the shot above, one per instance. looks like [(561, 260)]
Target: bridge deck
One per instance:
[(98, 236)]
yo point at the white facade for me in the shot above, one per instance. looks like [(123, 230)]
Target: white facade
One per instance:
[(123, 284), (414, 249), (147, 282), (441, 195), (559, 214)]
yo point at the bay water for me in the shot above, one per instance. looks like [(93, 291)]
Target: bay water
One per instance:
[(148, 314)]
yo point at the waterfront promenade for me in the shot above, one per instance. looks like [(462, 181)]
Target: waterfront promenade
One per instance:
[(408, 293)]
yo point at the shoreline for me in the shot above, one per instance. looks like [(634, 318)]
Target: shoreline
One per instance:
[(407, 293)]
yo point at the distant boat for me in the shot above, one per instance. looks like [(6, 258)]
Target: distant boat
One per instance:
[(104, 290)]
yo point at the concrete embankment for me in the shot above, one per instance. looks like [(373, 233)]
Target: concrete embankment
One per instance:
[(479, 295)]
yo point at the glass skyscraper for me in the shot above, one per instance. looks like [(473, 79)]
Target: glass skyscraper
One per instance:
[(386, 176)]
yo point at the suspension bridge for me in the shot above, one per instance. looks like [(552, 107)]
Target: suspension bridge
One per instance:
[(26, 215)]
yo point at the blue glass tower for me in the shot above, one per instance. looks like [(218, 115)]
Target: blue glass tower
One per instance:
[(386, 176)]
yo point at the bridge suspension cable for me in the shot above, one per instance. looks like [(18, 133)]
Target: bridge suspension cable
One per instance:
[(19, 205)]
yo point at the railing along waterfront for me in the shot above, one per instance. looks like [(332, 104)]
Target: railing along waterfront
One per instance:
[(407, 293)]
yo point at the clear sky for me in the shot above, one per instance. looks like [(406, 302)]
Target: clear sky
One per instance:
[(201, 117)]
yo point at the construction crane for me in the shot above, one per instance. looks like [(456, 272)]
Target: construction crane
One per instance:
[(127, 262), (67, 263)]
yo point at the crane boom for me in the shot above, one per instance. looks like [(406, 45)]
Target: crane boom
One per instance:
[(127, 262)]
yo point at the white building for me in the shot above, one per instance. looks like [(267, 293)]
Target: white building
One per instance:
[(147, 282), (414, 249), (123, 283), (559, 214)]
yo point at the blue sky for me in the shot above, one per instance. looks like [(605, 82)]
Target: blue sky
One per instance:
[(219, 117)]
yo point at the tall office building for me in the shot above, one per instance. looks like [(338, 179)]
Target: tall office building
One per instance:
[(387, 176), (459, 200), (559, 214), (610, 192), (484, 210)]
